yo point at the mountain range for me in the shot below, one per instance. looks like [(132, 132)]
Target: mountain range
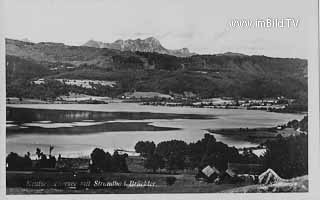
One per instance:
[(149, 44), (220, 75)]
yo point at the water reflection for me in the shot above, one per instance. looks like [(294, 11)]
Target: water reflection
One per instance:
[(27, 115), (121, 125)]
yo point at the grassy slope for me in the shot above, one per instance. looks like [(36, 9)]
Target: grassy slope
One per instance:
[(206, 75)]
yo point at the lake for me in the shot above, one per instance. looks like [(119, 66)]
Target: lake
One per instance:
[(76, 129)]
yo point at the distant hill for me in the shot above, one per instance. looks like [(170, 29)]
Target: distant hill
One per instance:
[(58, 52), (149, 44), (230, 74)]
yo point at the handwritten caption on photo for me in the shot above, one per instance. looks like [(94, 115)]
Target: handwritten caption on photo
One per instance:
[(92, 184)]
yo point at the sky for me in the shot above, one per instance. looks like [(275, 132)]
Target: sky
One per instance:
[(203, 26)]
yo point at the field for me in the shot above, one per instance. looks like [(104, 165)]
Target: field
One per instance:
[(57, 182)]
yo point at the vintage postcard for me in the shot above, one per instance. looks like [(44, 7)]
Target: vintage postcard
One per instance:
[(206, 97)]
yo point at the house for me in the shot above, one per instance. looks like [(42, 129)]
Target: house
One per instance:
[(209, 171), (208, 174)]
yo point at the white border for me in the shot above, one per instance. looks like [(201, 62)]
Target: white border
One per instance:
[(314, 139), (2, 101)]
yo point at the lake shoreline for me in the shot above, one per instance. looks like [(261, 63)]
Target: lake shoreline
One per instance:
[(38, 101), (185, 123), (257, 135)]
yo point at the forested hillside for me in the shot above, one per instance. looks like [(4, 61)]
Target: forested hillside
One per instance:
[(230, 74)]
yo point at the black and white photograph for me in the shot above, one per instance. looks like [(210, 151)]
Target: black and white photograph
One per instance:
[(159, 96)]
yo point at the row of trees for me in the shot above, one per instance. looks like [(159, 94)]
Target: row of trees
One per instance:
[(287, 156), (101, 161), (17, 162), (302, 125), (176, 155)]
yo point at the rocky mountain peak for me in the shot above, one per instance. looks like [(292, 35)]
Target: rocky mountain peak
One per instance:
[(152, 40), (150, 44)]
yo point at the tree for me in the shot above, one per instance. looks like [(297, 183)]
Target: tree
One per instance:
[(199, 149), (174, 153), (293, 124), (176, 161), (16, 162), (38, 152), (154, 162), (208, 151), (101, 161), (50, 149), (288, 156), (167, 148), (145, 148), (303, 124), (119, 162)]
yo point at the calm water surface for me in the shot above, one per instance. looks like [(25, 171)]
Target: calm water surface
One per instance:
[(122, 125)]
